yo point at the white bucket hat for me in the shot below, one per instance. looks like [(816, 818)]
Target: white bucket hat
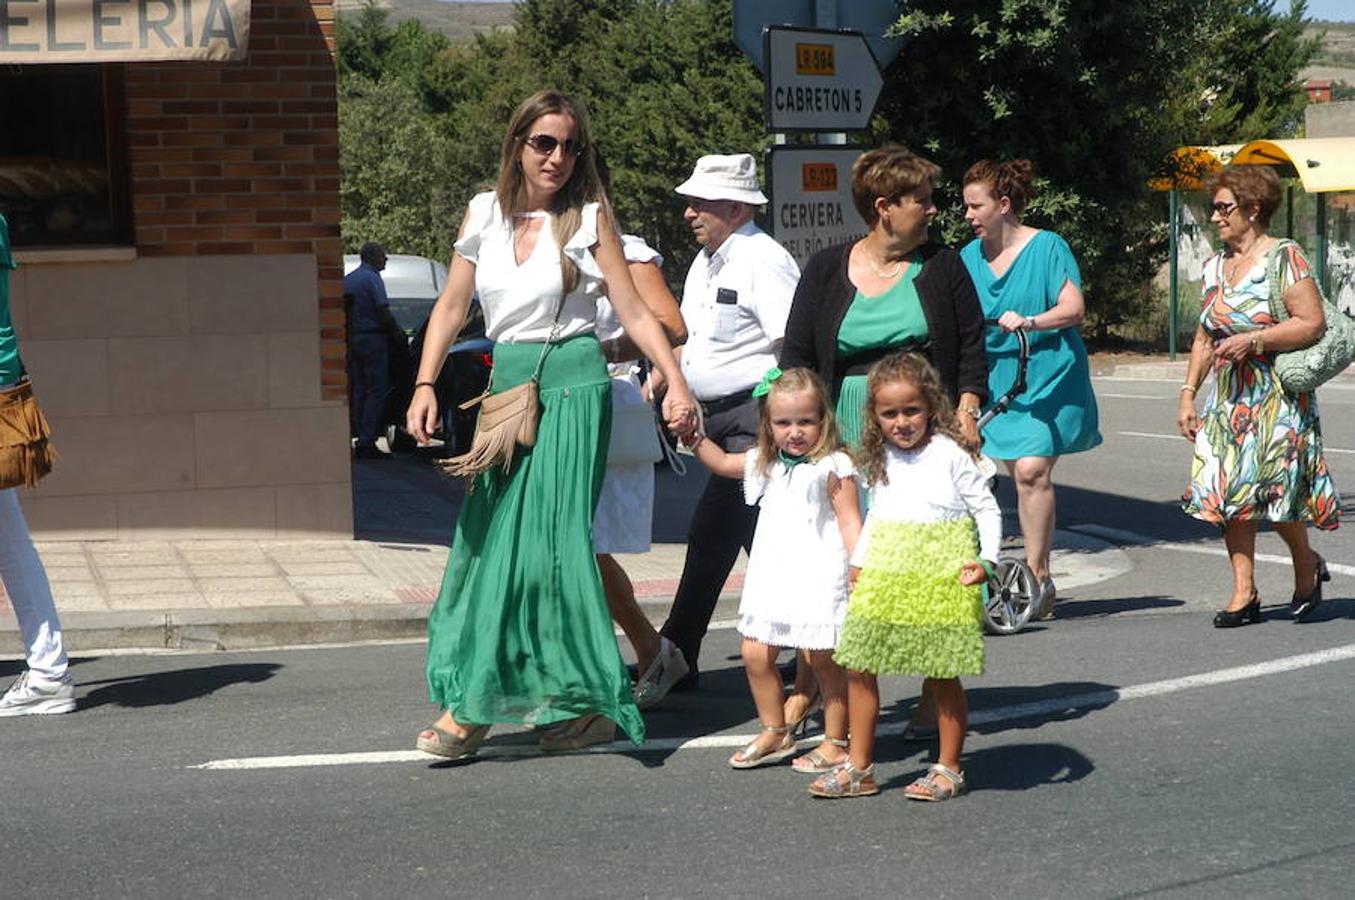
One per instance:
[(732, 177)]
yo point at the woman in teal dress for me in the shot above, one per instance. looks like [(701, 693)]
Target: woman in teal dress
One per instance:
[(520, 632), (1027, 279), (1258, 447)]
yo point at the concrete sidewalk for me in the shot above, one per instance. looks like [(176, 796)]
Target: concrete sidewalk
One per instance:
[(1163, 369)]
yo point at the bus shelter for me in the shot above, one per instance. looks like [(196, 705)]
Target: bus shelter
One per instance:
[(1322, 167)]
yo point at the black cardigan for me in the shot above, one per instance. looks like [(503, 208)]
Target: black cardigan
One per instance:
[(949, 302)]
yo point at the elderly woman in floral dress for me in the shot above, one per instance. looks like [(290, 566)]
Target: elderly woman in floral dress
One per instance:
[(1258, 447)]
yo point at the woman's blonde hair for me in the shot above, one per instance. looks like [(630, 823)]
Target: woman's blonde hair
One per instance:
[(793, 381), (584, 186), (921, 374)]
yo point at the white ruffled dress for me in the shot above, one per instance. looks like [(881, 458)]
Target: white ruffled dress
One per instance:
[(795, 589)]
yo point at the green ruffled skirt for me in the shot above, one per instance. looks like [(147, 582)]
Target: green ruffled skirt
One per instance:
[(909, 614), (520, 632)]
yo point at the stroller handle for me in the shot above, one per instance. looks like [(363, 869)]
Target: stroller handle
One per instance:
[(1003, 403)]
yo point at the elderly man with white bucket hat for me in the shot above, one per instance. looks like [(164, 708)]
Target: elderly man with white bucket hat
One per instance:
[(735, 304)]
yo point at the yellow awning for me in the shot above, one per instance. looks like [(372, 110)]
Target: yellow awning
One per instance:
[(1324, 164)]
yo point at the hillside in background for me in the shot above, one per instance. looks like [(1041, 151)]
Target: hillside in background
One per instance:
[(459, 21), (1336, 58)]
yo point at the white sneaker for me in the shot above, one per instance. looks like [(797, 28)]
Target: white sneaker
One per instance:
[(667, 669), (29, 696)]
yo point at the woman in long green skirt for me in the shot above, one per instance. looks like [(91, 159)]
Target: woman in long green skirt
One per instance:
[(520, 632)]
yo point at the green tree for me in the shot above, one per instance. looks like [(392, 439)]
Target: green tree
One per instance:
[(363, 41), (394, 164), (662, 79)]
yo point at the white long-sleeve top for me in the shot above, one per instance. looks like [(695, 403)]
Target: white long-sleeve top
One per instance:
[(938, 482)]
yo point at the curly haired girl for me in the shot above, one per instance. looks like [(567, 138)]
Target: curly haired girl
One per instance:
[(916, 606)]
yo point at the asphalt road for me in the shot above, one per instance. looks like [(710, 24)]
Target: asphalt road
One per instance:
[(1125, 749)]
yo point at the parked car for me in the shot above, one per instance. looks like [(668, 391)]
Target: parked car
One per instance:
[(412, 286)]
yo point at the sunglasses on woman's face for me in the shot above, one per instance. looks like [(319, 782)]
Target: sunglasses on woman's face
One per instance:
[(545, 145), (1223, 209)]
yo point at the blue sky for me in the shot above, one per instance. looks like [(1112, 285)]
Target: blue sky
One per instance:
[(1331, 10)]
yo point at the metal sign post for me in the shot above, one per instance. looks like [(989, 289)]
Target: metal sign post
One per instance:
[(870, 17), (823, 81)]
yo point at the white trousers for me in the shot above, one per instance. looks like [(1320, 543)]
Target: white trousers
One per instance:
[(30, 594)]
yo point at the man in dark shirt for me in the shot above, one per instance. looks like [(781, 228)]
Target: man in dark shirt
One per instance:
[(370, 322)]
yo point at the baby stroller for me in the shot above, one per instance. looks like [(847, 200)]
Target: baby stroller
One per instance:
[(1012, 591)]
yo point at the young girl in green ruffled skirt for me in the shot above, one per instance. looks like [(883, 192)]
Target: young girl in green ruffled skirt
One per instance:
[(928, 545)]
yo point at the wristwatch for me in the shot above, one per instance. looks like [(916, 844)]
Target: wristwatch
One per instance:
[(969, 409)]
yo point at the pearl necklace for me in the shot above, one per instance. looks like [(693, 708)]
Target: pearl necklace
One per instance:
[(881, 273)]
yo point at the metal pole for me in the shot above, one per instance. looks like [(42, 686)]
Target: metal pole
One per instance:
[(1173, 276), (1320, 251)]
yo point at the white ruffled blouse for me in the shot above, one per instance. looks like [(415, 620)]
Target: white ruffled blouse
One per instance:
[(519, 301)]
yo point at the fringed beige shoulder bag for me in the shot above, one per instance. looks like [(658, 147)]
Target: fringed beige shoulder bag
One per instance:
[(506, 419), (26, 454)]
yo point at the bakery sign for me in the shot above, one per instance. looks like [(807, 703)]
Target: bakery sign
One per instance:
[(52, 31)]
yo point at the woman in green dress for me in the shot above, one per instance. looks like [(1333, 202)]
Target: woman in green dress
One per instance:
[(520, 632), (1258, 447), (891, 290), (1027, 279)]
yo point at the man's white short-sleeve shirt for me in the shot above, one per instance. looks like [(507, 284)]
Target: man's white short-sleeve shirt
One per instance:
[(731, 345)]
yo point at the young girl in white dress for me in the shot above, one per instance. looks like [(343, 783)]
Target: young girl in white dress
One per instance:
[(795, 588)]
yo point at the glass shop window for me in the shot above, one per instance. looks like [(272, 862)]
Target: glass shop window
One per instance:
[(63, 156)]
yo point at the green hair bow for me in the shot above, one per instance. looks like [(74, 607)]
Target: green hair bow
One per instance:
[(764, 386)]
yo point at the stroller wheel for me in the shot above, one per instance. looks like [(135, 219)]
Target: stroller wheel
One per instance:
[(1012, 593)]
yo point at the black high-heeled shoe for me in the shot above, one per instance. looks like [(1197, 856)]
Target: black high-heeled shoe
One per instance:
[(1238, 617), (1302, 606)]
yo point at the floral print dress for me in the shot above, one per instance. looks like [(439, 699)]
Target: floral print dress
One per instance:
[(1258, 452)]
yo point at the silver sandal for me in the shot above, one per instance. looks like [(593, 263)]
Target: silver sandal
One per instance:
[(859, 783), (814, 762), (751, 757), (930, 788)]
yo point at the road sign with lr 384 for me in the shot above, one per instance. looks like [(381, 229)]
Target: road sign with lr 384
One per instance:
[(819, 80)]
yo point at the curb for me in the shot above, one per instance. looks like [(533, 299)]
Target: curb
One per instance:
[(1168, 370), (267, 626)]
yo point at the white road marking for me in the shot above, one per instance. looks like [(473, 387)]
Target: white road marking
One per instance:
[(1177, 437), (1149, 434), (1008, 713), (1120, 536)]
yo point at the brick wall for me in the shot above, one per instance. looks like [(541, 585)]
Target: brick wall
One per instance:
[(243, 158)]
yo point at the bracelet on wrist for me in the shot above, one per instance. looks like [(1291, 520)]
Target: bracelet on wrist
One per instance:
[(419, 384), (1258, 345), (969, 409), (1189, 387), (1030, 323)]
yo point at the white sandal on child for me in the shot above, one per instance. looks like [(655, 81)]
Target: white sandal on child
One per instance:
[(751, 757)]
